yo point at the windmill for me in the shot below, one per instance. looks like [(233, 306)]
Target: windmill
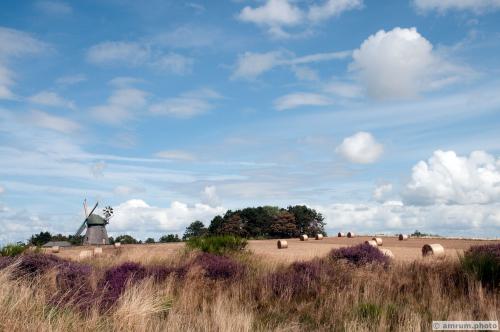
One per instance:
[(95, 224)]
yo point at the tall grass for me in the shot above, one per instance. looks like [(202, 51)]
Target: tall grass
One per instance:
[(218, 245), (203, 292)]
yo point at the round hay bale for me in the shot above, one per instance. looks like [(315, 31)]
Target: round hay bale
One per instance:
[(403, 237), (372, 243), (84, 254), (282, 244), (378, 240), (340, 234), (97, 251), (387, 252), (319, 237), (350, 234), (432, 250), (304, 237), (117, 244), (54, 249)]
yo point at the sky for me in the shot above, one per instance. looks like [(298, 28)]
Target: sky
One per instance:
[(382, 115)]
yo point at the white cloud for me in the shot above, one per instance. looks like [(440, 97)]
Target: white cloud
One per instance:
[(277, 15), (127, 190), (56, 8), (2, 190), (121, 106), (209, 196), (251, 65), (187, 105), (176, 155), (361, 148), (447, 178), (52, 122), (305, 73), (138, 218), (344, 89), (49, 98), (299, 99), (138, 54), (477, 6), (381, 192), (15, 44), (71, 79), (332, 8), (400, 64)]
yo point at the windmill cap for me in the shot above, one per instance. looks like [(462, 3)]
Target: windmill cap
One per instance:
[(94, 219)]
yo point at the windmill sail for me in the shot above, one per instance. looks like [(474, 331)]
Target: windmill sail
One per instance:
[(84, 224)]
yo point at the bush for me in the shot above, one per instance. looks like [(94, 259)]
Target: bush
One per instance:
[(484, 263), (362, 254), (218, 245), (37, 264), (73, 286), (12, 250), (219, 267)]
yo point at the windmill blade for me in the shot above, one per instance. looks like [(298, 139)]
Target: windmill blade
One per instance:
[(85, 208), (82, 227), (95, 207)]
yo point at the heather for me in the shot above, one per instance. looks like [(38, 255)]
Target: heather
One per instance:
[(349, 290), (361, 254), (483, 262)]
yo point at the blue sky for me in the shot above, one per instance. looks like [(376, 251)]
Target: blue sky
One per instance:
[(384, 116)]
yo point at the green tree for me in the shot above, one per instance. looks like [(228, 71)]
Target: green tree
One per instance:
[(149, 240), (169, 238), (195, 229), (308, 221), (125, 239), (283, 225), (216, 224), (233, 226), (40, 239)]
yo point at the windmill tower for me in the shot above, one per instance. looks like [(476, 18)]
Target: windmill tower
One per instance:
[(96, 225)]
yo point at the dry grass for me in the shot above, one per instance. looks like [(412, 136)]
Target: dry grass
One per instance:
[(407, 296)]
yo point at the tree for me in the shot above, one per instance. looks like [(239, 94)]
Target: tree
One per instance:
[(40, 239), (196, 229), (169, 238), (308, 221), (149, 240), (216, 224), (283, 225), (233, 226), (125, 239)]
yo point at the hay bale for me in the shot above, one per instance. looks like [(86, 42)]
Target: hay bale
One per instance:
[(403, 237), (54, 249), (84, 254), (304, 237), (350, 234), (97, 251), (319, 237), (282, 244), (340, 234), (387, 252), (378, 240), (117, 244), (372, 243), (432, 250)]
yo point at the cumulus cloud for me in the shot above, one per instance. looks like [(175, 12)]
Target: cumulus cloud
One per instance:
[(138, 54), (299, 99), (138, 218), (447, 178), (121, 106), (361, 148), (381, 192), (49, 98), (15, 44), (477, 6), (52, 122), (209, 196), (401, 63), (187, 105), (176, 155), (278, 15)]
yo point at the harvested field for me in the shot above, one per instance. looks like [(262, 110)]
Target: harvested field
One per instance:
[(297, 250)]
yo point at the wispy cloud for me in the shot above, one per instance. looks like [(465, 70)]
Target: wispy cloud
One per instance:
[(187, 105), (49, 98)]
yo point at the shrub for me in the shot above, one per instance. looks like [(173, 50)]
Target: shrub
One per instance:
[(74, 286), (219, 267), (116, 279), (300, 279), (361, 254), (5, 261), (160, 272), (36, 264), (484, 263), (217, 244), (12, 250)]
